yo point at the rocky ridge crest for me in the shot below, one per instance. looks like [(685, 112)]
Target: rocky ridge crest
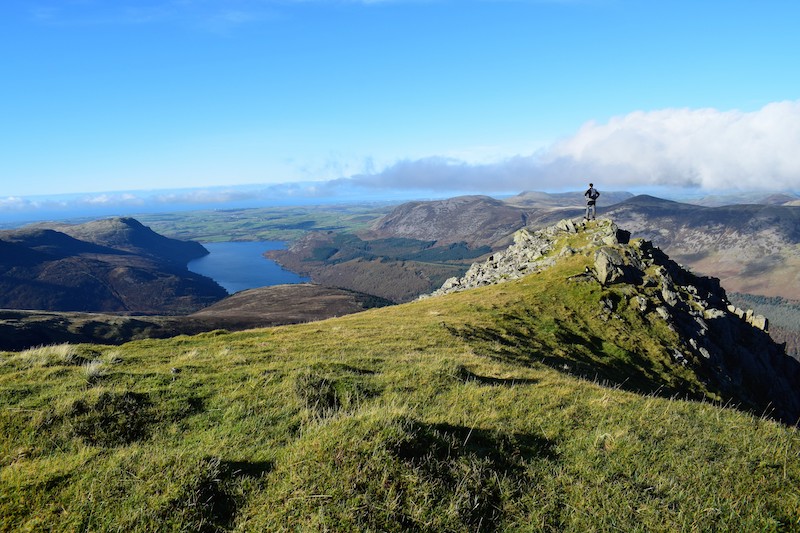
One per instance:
[(727, 346)]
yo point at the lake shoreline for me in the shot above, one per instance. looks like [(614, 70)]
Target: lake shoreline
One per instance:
[(238, 266)]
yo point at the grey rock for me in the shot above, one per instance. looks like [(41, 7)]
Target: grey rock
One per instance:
[(567, 225), (760, 322), (710, 314), (679, 357), (670, 297), (608, 265)]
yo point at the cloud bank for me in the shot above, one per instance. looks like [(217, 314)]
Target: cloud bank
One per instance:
[(686, 148)]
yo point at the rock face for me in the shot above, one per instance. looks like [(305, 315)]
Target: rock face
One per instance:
[(726, 346), (608, 265)]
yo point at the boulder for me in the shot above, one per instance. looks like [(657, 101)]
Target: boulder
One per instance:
[(567, 225), (760, 322), (608, 264)]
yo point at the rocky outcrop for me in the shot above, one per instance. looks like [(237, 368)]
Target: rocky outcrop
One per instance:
[(725, 345), (532, 251)]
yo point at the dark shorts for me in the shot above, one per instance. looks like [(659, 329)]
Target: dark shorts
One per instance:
[(590, 202)]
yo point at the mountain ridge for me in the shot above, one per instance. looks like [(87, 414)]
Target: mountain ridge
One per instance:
[(129, 235), (115, 264), (476, 220), (752, 248)]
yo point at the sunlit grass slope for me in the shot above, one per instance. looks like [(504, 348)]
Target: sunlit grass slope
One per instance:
[(490, 409)]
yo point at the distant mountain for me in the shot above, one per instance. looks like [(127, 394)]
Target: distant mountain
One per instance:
[(409, 251), (763, 198), (398, 269), (545, 200), (475, 220), (129, 235), (753, 248), (482, 220), (104, 266)]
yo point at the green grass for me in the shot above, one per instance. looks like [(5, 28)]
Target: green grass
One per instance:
[(516, 407)]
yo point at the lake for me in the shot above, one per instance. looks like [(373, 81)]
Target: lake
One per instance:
[(240, 265)]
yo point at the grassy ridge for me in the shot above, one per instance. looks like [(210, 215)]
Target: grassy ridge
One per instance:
[(466, 412)]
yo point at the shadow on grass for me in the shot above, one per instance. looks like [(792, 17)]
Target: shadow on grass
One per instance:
[(507, 451), (515, 339), (211, 502), (477, 469), (465, 375)]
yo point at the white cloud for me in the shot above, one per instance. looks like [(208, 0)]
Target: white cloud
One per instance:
[(14, 203), (111, 199), (700, 148), (683, 147)]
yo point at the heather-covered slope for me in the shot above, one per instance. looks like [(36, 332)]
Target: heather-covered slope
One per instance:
[(551, 402)]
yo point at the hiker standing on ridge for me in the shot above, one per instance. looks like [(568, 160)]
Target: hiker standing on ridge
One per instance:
[(591, 195)]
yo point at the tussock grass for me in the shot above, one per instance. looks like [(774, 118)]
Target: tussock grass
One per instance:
[(517, 407), (56, 354), (94, 370)]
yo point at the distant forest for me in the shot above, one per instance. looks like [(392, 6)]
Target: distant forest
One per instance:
[(783, 316)]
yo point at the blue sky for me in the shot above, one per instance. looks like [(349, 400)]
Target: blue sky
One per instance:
[(470, 95)]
